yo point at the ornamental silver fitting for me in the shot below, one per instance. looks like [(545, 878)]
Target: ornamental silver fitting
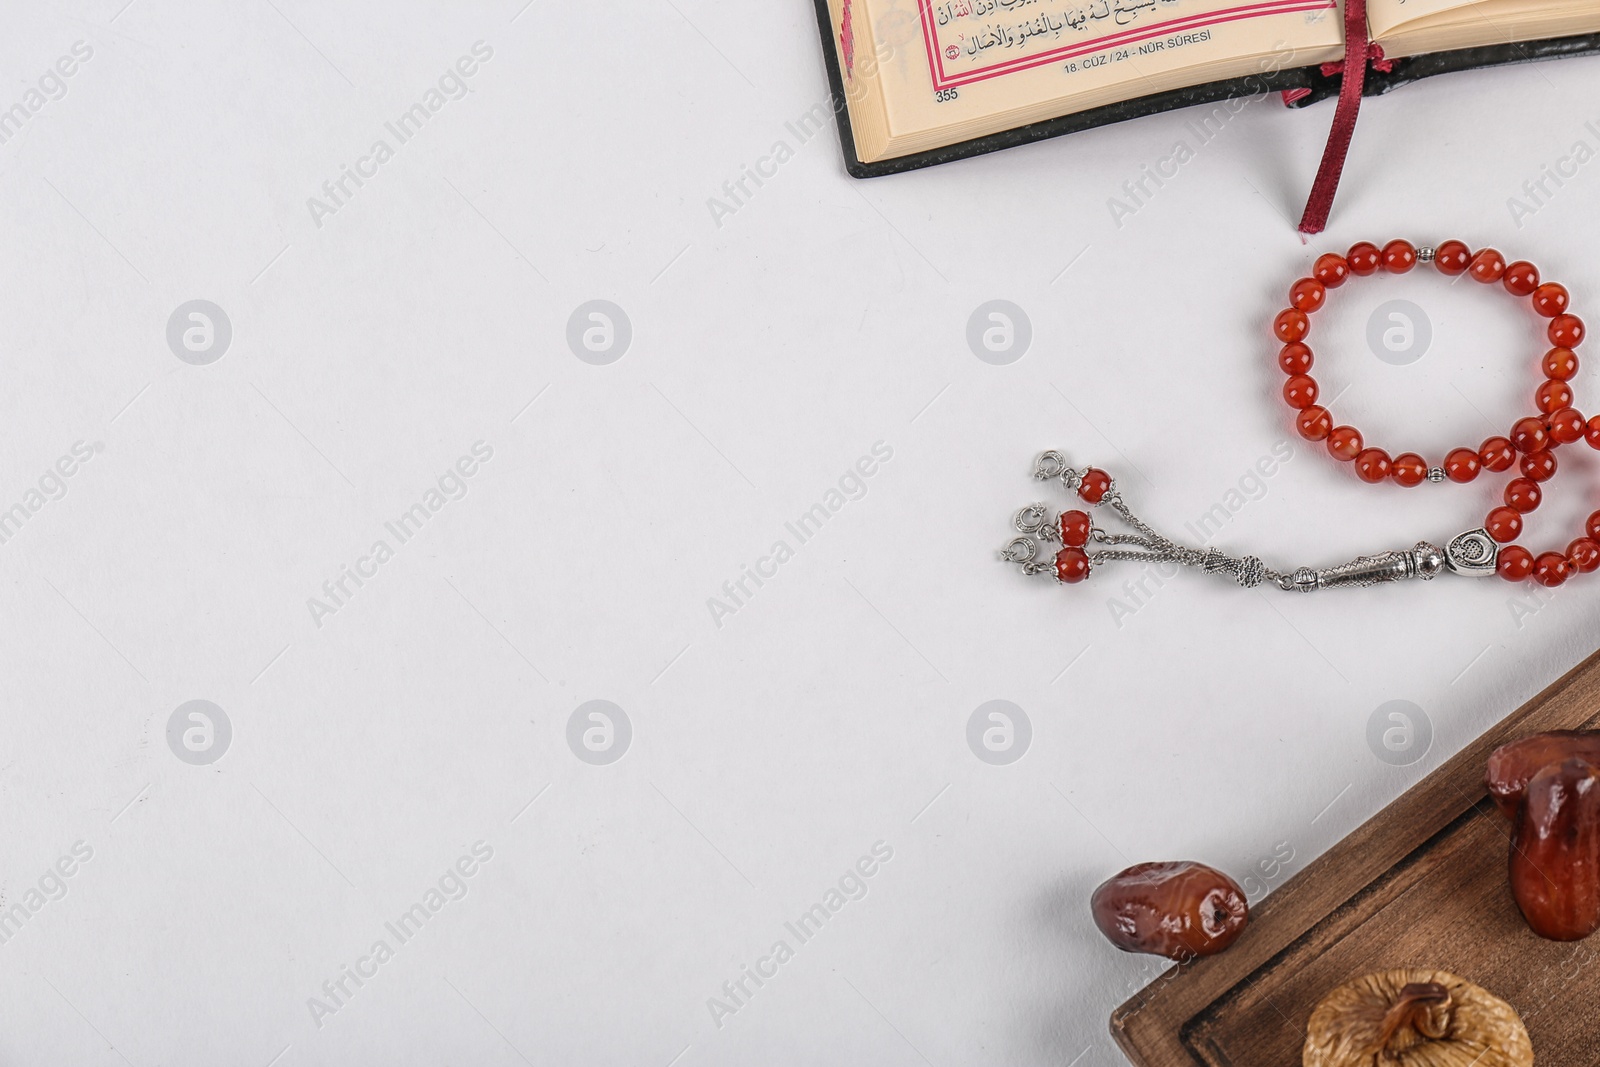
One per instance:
[(1051, 464), (1423, 561), (1019, 550), (1024, 553), (1473, 553), (1250, 572), (1429, 560), (1436, 474), (1035, 519), (1425, 254)]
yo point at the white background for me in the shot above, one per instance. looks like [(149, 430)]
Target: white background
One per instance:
[(769, 352)]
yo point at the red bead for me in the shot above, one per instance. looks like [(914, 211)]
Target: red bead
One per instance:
[(1072, 565), (1314, 423), (1521, 278), (1497, 454), (1461, 465), (1363, 258), (1074, 528), (1344, 442), (1529, 435), (1488, 266), (1551, 299), (1583, 554), (1096, 483), (1409, 469), (1523, 494), (1307, 295), (1295, 358), (1550, 569), (1291, 325), (1373, 465), (1566, 426), (1331, 270), (1553, 396), (1566, 331), (1300, 391), (1592, 527), (1540, 466), (1399, 256), (1452, 257), (1560, 363), (1514, 563), (1591, 432), (1503, 524)]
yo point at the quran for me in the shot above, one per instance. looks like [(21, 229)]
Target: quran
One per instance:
[(918, 82)]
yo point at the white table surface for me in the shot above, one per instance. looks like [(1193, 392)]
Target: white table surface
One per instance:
[(773, 747)]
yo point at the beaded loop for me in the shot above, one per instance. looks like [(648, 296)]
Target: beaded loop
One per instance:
[(1528, 450)]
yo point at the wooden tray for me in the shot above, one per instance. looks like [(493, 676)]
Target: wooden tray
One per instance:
[(1421, 884)]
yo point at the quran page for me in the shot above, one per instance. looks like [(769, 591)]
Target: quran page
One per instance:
[(920, 74)]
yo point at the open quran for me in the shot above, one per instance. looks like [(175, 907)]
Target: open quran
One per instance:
[(918, 82)]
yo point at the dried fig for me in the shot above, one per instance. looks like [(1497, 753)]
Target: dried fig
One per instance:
[(1178, 910), (1513, 764), (1414, 1018), (1555, 851)]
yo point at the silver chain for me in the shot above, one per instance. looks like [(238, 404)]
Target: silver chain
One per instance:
[(1248, 571)]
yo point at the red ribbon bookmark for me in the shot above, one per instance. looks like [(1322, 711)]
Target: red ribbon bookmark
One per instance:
[(1358, 53)]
